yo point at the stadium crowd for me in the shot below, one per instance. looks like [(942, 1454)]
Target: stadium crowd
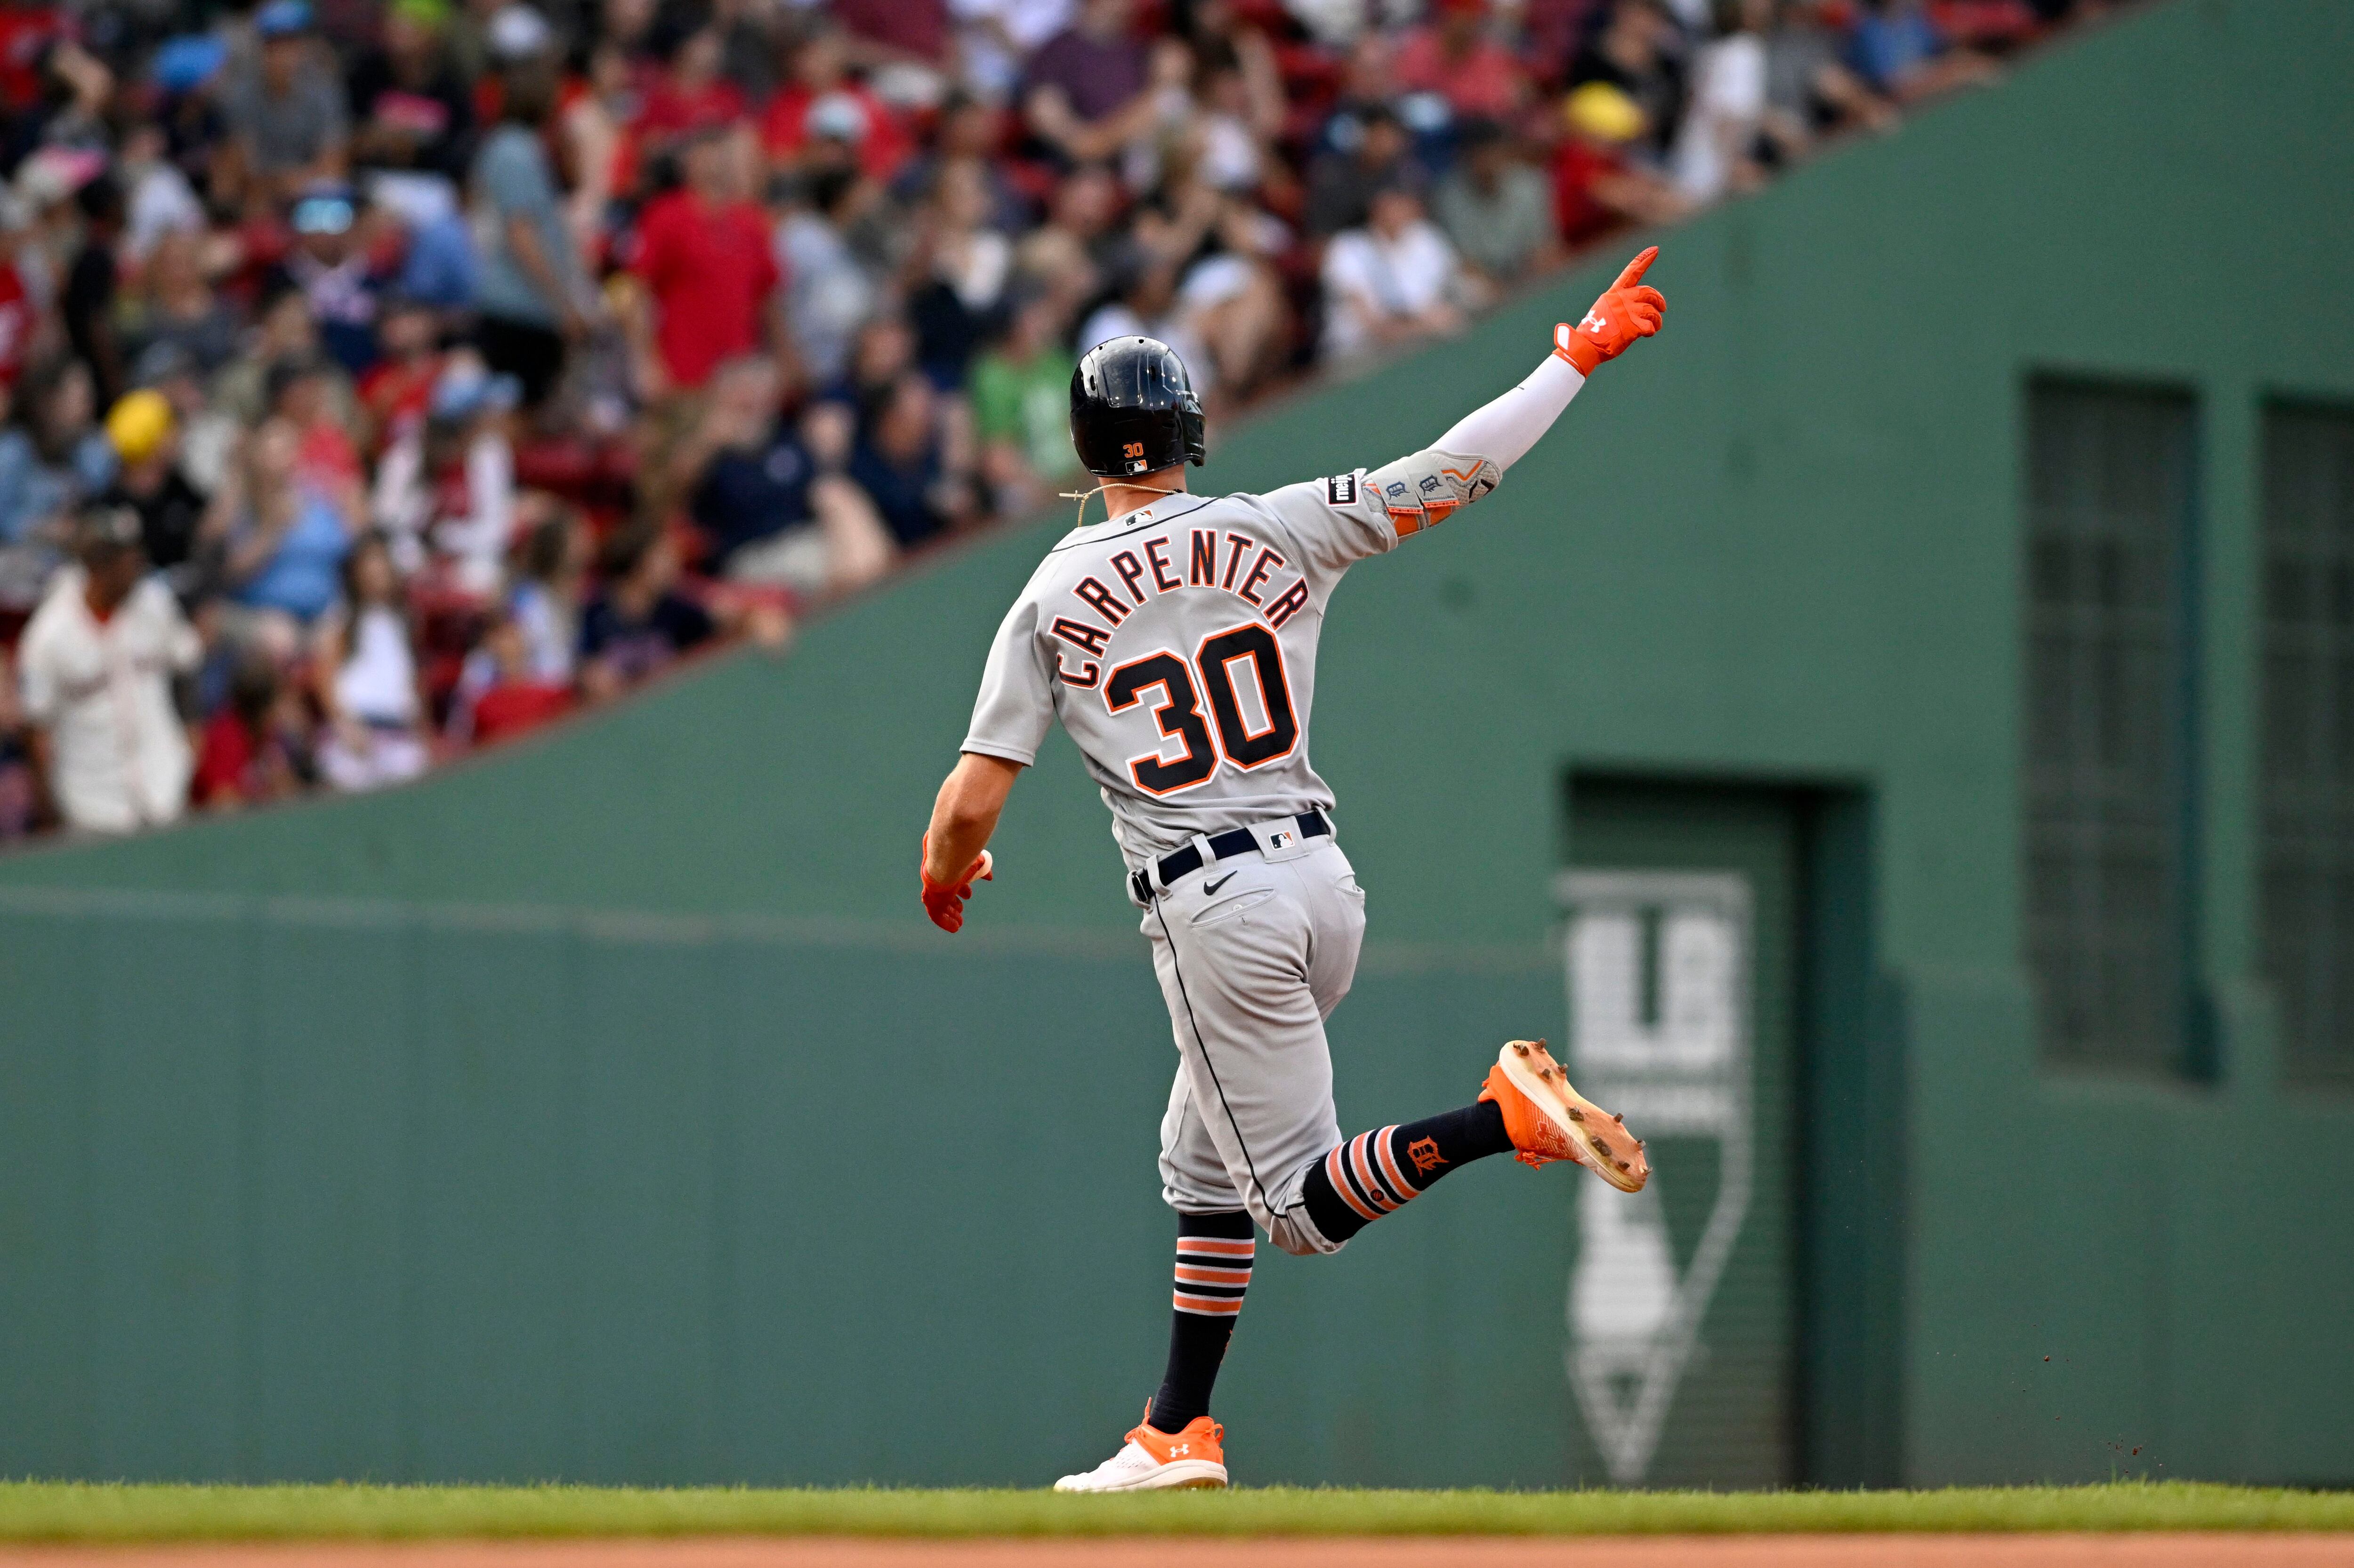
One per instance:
[(383, 379)]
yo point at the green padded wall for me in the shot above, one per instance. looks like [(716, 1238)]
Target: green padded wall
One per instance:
[(603, 1108)]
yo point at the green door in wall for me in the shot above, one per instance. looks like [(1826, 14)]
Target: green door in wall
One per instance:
[(1679, 952)]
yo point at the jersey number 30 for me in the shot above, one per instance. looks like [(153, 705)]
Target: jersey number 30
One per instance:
[(1180, 714)]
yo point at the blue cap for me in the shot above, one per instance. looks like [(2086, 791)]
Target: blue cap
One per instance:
[(324, 207), (188, 61), (465, 389), (282, 18)]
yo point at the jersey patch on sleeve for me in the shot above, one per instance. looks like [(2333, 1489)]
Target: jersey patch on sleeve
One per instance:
[(1340, 490)]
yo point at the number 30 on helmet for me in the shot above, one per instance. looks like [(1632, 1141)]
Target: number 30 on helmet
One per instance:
[(1134, 408)]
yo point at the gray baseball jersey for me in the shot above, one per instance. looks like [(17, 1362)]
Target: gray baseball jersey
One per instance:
[(1177, 644)]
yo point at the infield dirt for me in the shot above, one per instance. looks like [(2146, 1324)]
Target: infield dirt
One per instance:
[(2120, 1551)]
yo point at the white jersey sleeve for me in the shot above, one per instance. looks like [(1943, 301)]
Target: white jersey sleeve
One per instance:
[(1017, 690)]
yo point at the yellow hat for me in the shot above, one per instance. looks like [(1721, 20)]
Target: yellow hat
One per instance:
[(1603, 112), (139, 422)]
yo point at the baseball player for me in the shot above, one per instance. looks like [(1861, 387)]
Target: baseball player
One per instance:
[(1176, 642)]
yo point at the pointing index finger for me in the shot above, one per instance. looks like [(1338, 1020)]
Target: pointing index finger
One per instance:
[(1634, 269)]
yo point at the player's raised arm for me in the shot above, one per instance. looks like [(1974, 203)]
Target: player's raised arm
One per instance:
[(1468, 460)]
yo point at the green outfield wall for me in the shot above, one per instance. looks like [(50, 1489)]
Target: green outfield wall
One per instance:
[(604, 1108)]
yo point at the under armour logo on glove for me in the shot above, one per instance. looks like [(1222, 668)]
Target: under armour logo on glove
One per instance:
[(1625, 312)]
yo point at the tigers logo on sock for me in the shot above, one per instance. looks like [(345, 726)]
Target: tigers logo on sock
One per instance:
[(1424, 1152)]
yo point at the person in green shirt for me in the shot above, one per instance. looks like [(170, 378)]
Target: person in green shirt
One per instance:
[(1022, 404)]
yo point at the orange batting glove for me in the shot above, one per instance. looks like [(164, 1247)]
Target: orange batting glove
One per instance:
[(944, 901), (1625, 312)]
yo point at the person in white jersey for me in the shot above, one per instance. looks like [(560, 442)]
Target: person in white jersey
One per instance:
[(1176, 642)]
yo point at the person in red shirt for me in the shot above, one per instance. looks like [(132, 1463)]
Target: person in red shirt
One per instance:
[(1596, 188), (690, 95), (397, 388), (1455, 58), (820, 100), (16, 323), (498, 695), (252, 749), (706, 255)]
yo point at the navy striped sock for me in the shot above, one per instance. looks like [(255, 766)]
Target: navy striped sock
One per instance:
[(1214, 1264), (1376, 1173)]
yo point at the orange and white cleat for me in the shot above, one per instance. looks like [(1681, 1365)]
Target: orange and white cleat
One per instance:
[(1547, 1119), (1155, 1460)]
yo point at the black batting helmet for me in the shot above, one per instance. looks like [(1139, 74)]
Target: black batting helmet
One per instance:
[(1133, 409)]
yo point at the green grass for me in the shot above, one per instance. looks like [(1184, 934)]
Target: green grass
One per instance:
[(49, 1511)]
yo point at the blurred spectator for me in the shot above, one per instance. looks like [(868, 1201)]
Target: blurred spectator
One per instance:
[(600, 144), (767, 513), (544, 604), (331, 267), (286, 111), (413, 108), (1083, 91), (915, 461), (901, 30), (367, 679), (1716, 148), (96, 666), (1145, 303), (1394, 281), (159, 199), (532, 291), (446, 481), (206, 435), (705, 256), (18, 319), (1455, 58), (499, 694), (172, 512), (693, 95), (1900, 52), (822, 104), (253, 748), (313, 397), (1809, 88), (1639, 51), (1341, 183), (286, 541), (52, 456), (178, 306), (1496, 209), (829, 292), (88, 302), (957, 272), (639, 623), (399, 387), (1022, 405), (1596, 186), (994, 37), (1080, 239)]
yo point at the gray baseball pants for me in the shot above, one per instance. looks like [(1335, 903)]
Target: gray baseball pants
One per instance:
[(1254, 953)]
